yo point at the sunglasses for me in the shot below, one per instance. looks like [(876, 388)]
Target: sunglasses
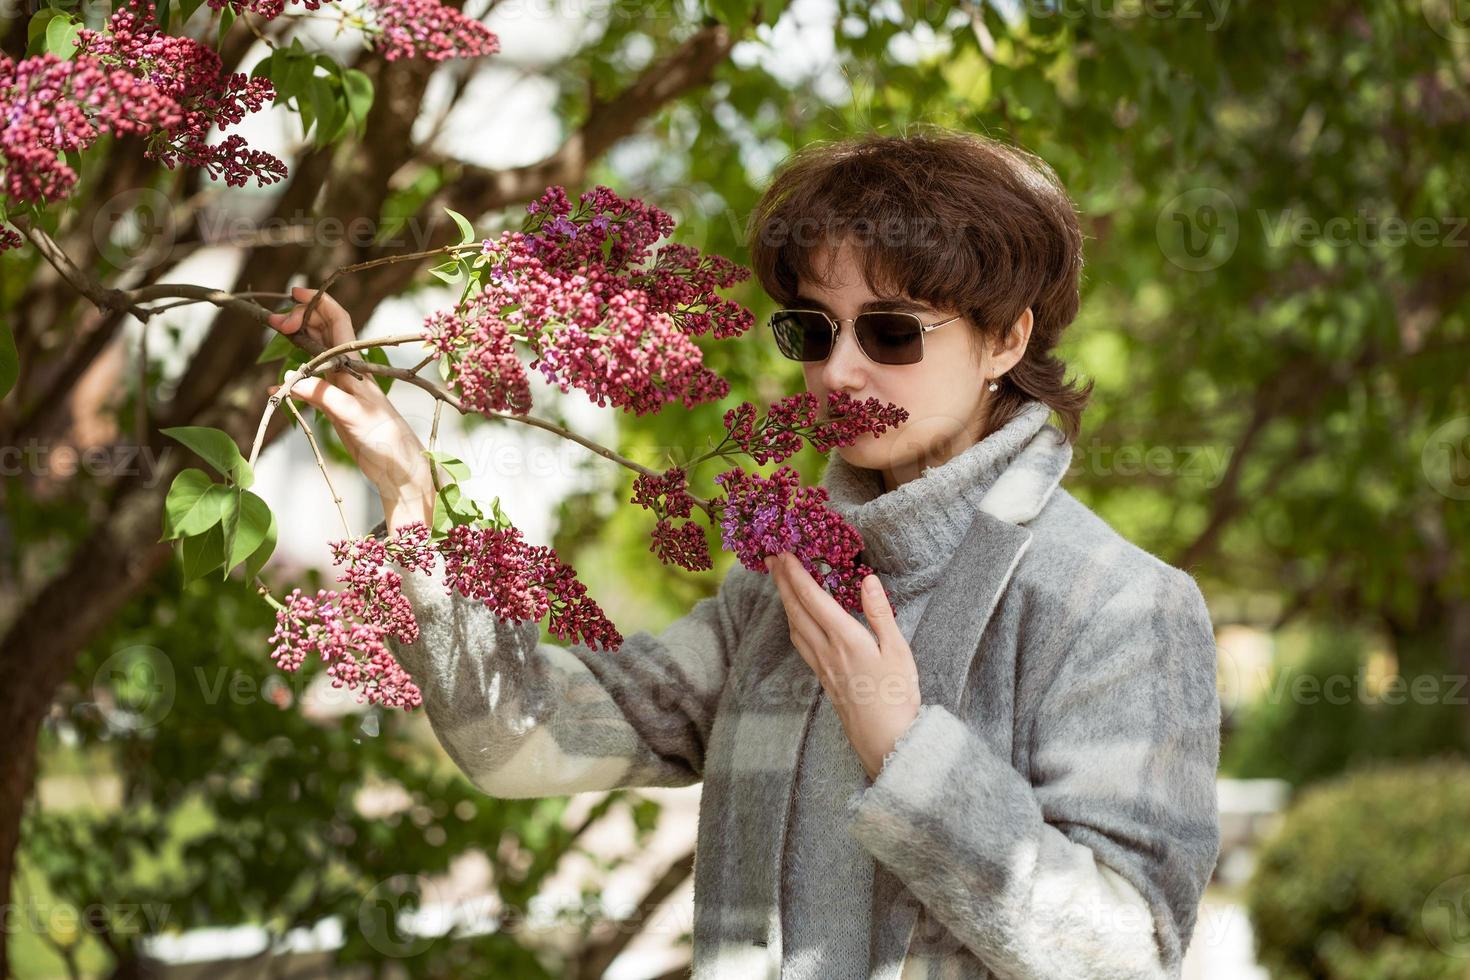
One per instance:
[(884, 337)]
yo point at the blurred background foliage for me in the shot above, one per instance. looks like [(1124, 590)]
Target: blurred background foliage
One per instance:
[(1281, 408)]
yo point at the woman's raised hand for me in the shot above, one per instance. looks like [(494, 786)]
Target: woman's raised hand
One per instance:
[(379, 438)]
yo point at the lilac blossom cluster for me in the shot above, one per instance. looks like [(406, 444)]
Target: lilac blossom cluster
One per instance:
[(795, 419), (579, 289), (521, 582), (130, 79), (763, 516), (348, 629), (667, 495)]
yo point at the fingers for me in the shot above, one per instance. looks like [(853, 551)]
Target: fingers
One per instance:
[(322, 394), (330, 323), (817, 601), (797, 617), (879, 612)]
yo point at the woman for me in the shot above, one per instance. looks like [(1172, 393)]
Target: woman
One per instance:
[(1009, 772)]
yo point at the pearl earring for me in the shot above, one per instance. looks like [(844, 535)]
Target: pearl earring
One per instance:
[(994, 386)]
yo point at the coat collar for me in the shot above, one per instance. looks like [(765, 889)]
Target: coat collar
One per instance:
[(1008, 474)]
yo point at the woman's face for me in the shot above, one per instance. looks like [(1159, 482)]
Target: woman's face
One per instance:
[(944, 394)]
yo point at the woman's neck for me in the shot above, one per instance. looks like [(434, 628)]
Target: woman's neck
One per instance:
[(937, 455)]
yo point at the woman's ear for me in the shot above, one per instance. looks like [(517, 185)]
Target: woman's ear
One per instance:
[(1007, 352)]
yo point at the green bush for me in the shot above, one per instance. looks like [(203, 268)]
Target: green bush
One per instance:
[(1368, 878)]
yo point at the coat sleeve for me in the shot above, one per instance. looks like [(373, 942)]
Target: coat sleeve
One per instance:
[(527, 718), (1095, 866)]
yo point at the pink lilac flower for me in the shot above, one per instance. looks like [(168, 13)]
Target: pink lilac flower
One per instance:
[(268, 9), (681, 544), (428, 29), (666, 494), (484, 370), (848, 418), (520, 582), (601, 311), (192, 76), (373, 593), (764, 516), (53, 106), (794, 418), (355, 652)]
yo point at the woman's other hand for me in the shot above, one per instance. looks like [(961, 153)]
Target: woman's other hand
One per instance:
[(379, 438)]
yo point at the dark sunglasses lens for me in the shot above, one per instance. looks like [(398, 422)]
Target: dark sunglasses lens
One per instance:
[(801, 335), (891, 338)]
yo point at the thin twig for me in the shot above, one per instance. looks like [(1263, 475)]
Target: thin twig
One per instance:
[(321, 464)]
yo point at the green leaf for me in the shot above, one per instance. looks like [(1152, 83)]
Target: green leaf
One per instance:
[(465, 228), (254, 521), (9, 360), (36, 29), (277, 347), (202, 553), (455, 467), (216, 448), (258, 557), (376, 355), (331, 112), (358, 89), (230, 523), (161, 12), (186, 10), (444, 270), (61, 37), (226, 18), (192, 505)]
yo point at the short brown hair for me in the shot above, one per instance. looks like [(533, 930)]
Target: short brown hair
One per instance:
[(955, 219)]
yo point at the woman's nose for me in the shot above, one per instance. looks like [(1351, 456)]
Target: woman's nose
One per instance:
[(845, 368)]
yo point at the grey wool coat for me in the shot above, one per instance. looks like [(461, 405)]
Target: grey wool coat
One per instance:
[(1049, 815)]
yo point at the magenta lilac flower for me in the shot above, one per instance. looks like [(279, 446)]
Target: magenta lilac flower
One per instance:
[(373, 593), (484, 370), (192, 76), (763, 516), (428, 29), (795, 418), (603, 312), (129, 80), (355, 652), (522, 582), (666, 494), (681, 544)]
